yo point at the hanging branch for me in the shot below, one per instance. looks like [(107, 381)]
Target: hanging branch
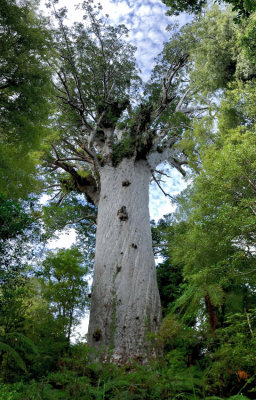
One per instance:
[(162, 173), (162, 190), (191, 110)]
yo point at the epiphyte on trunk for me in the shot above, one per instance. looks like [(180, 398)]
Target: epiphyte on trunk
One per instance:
[(122, 214), (97, 335)]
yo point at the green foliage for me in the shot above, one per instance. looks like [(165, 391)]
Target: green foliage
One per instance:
[(243, 8), (7, 349), (169, 274), (190, 6), (123, 148), (77, 378), (16, 227), (214, 243), (25, 94), (248, 39), (13, 223), (64, 286), (33, 336), (82, 48), (217, 55)]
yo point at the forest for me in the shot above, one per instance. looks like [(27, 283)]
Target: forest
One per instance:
[(82, 136)]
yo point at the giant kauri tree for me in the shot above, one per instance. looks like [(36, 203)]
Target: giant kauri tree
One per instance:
[(114, 133)]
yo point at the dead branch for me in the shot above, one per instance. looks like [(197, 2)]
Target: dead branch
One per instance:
[(162, 190), (162, 173), (249, 322), (178, 107)]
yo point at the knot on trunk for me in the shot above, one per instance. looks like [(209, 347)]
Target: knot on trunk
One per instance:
[(122, 214), (126, 183), (97, 335)]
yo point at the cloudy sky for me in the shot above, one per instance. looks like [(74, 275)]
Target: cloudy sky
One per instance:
[(147, 22)]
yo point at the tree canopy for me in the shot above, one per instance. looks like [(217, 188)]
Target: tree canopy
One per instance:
[(243, 8), (25, 90)]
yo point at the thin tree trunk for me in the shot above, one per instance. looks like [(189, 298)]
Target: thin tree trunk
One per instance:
[(125, 304), (212, 312)]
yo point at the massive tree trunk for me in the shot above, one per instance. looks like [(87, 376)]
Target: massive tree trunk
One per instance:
[(125, 299)]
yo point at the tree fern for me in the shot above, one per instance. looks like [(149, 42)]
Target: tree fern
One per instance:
[(24, 340), (13, 339), (6, 348)]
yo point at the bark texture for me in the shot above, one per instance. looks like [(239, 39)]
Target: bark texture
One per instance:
[(125, 299)]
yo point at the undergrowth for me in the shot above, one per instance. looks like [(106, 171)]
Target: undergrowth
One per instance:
[(75, 378)]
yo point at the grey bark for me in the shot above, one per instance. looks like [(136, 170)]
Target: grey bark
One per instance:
[(125, 304)]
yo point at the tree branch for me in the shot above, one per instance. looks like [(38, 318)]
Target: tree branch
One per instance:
[(178, 107), (159, 155), (86, 185), (162, 190), (166, 85), (162, 173), (70, 100), (177, 164), (73, 148), (191, 110)]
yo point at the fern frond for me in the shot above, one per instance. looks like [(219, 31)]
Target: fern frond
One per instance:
[(29, 344), (4, 347)]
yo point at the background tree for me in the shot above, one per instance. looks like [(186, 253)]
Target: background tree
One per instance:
[(243, 8), (216, 242), (169, 275), (17, 226), (39, 305), (65, 287), (25, 93)]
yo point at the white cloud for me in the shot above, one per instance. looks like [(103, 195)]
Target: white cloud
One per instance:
[(144, 11), (64, 240)]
